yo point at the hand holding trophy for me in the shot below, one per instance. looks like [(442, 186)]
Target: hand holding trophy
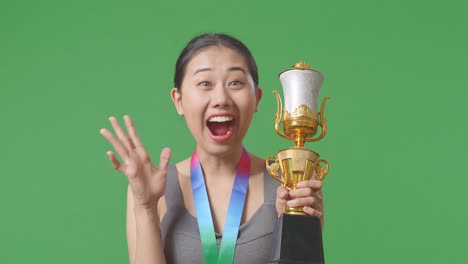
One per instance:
[(297, 236)]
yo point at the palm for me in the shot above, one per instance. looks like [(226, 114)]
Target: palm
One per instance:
[(146, 180)]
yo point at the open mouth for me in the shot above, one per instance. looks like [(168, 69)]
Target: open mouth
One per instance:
[(220, 126)]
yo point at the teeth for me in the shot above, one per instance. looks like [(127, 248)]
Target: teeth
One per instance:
[(220, 119)]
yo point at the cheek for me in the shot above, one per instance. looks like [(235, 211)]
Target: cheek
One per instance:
[(194, 122), (194, 107), (192, 100), (247, 101), (247, 108)]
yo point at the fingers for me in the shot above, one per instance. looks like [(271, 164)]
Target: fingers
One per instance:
[(121, 134), (309, 196), (302, 192), (115, 163), (135, 140), (125, 144), (164, 159), (311, 205), (132, 132), (304, 201), (311, 211), (121, 150), (307, 188), (314, 184), (304, 197)]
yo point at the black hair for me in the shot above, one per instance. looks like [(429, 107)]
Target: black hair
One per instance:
[(208, 40)]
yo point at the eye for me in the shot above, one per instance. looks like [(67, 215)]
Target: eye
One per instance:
[(204, 83), (236, 83)]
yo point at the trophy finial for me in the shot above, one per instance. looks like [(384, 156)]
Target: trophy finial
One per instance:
[(301, 65)]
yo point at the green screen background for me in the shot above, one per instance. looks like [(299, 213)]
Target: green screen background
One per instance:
[(395, 70)]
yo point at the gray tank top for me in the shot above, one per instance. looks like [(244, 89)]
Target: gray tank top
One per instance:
[(181, 238)]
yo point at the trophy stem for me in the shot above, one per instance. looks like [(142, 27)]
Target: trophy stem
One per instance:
[(300, 140)]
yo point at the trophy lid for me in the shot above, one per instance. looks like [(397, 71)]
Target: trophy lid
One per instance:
[(301, 65)]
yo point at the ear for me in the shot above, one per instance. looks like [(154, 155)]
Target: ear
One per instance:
[(176, 99), (259, 94)]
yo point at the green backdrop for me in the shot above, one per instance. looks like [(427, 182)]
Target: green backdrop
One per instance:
[(396, 72)]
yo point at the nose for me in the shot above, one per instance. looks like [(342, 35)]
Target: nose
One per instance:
[(220, 97)]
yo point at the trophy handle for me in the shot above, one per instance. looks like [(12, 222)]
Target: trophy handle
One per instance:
[(279, 111), (320, 171), (322, 122), (273, 168)]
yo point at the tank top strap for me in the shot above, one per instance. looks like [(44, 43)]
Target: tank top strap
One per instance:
[(270, 186), (174, 202), (173, 194)]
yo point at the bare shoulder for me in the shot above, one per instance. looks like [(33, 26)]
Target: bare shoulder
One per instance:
[(183, 174), (183, 168), (257, 169), (257, 165)]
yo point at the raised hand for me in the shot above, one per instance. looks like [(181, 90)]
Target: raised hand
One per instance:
[(147, 181)]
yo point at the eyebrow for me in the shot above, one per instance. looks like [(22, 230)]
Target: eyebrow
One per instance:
[(230, 69), (237, 69), (202, 70)]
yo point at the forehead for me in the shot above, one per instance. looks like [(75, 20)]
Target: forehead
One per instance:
[(217, 58)]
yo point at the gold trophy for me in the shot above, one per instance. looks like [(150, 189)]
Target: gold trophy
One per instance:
[(297, 236)]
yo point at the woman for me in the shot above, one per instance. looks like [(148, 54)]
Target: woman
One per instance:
[(216, 89)]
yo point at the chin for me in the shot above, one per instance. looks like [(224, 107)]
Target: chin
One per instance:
[(221, 149)]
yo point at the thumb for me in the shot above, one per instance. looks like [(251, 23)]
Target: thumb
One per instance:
[(282, 193), (164, 158)]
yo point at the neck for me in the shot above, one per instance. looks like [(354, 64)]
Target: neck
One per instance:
[(215, 166)]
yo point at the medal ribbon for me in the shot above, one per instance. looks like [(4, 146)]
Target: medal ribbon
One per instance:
[(234, 215)]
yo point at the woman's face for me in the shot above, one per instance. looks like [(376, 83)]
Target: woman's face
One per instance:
[(218, 99)]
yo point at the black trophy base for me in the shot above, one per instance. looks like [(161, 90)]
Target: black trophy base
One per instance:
[(297, 239)]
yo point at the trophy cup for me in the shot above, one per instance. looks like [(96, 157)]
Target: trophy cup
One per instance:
[(297, 236)]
